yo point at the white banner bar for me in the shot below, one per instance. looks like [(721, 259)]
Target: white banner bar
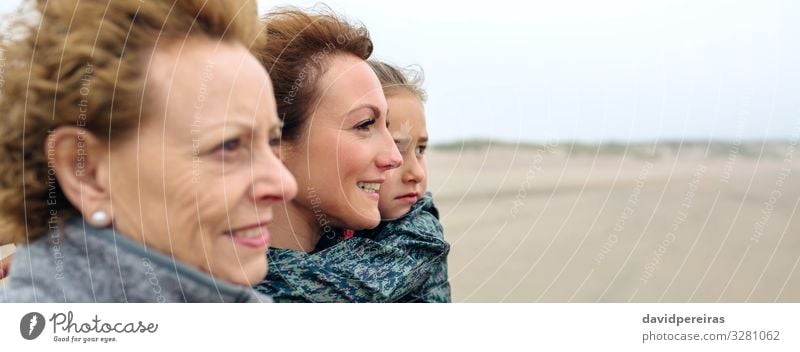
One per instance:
[(386, 327)]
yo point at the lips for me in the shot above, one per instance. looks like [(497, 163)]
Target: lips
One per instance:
[(407, 195), (252, 236), (408, 198)]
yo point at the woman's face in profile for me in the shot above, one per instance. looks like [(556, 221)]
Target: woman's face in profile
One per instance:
[(199, 177), (342, 157)]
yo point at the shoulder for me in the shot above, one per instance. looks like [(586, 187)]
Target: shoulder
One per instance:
[(30, 281), (47, 270)]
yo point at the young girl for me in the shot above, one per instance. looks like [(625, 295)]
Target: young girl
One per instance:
[(404, 259), (405, 205)]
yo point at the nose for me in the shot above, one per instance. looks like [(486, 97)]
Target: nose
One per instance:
[(389, 156), (414, 172), (272, 181)]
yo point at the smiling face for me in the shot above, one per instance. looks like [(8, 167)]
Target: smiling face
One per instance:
[(200, 176), (406, 184), (342, 157)]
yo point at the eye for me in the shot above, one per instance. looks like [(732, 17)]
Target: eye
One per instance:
[(274, 141), (229, 145), (364, 125), (421, 149), (275, 135)]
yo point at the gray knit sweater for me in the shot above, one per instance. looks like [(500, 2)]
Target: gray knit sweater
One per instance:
[(85, 264)]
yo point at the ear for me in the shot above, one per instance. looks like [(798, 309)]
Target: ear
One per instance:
[(79, 160)]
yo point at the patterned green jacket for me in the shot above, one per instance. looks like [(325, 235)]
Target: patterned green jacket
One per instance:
[(403, 260)]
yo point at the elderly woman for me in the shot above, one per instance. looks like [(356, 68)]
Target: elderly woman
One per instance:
[(139, 159), (336, 142)]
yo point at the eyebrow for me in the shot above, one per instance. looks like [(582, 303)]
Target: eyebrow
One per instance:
[(374, 109), (423, 139), (276, 130), (276, 124), (239, 123)]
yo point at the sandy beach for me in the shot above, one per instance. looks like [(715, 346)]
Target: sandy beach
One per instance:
[(673, 223)]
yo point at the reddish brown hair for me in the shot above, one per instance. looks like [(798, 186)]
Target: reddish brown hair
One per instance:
[(298, 48)]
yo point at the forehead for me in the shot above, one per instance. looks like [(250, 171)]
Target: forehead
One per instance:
[(207, 76), (349, 81), (406, 111)]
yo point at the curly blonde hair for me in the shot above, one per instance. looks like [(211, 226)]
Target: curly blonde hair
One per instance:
[(82, 63)]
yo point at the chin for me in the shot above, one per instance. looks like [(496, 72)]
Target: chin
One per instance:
[(369, 221), (248, 275), (395, 213)]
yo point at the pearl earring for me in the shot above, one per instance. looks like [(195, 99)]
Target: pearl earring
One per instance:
[(100, 218)]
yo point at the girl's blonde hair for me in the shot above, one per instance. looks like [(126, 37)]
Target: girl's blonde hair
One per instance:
[(394, 79)]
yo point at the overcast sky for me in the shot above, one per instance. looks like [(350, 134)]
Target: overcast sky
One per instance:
[(593, 70)]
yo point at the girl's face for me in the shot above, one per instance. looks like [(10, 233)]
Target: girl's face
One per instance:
[(200, 177), (343, 156), (405, 185)]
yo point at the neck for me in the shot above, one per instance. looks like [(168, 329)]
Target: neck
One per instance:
[(294, 227)]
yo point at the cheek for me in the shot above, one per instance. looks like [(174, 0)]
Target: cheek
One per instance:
[(137, 187), (181, 183), (390, 189), (424, 183), (158, 203), (217, 196), (197, 196), (394, 182), (318, 159), (355, 158), (199, 213), (182, 200), (317, 177), (387, 190)]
